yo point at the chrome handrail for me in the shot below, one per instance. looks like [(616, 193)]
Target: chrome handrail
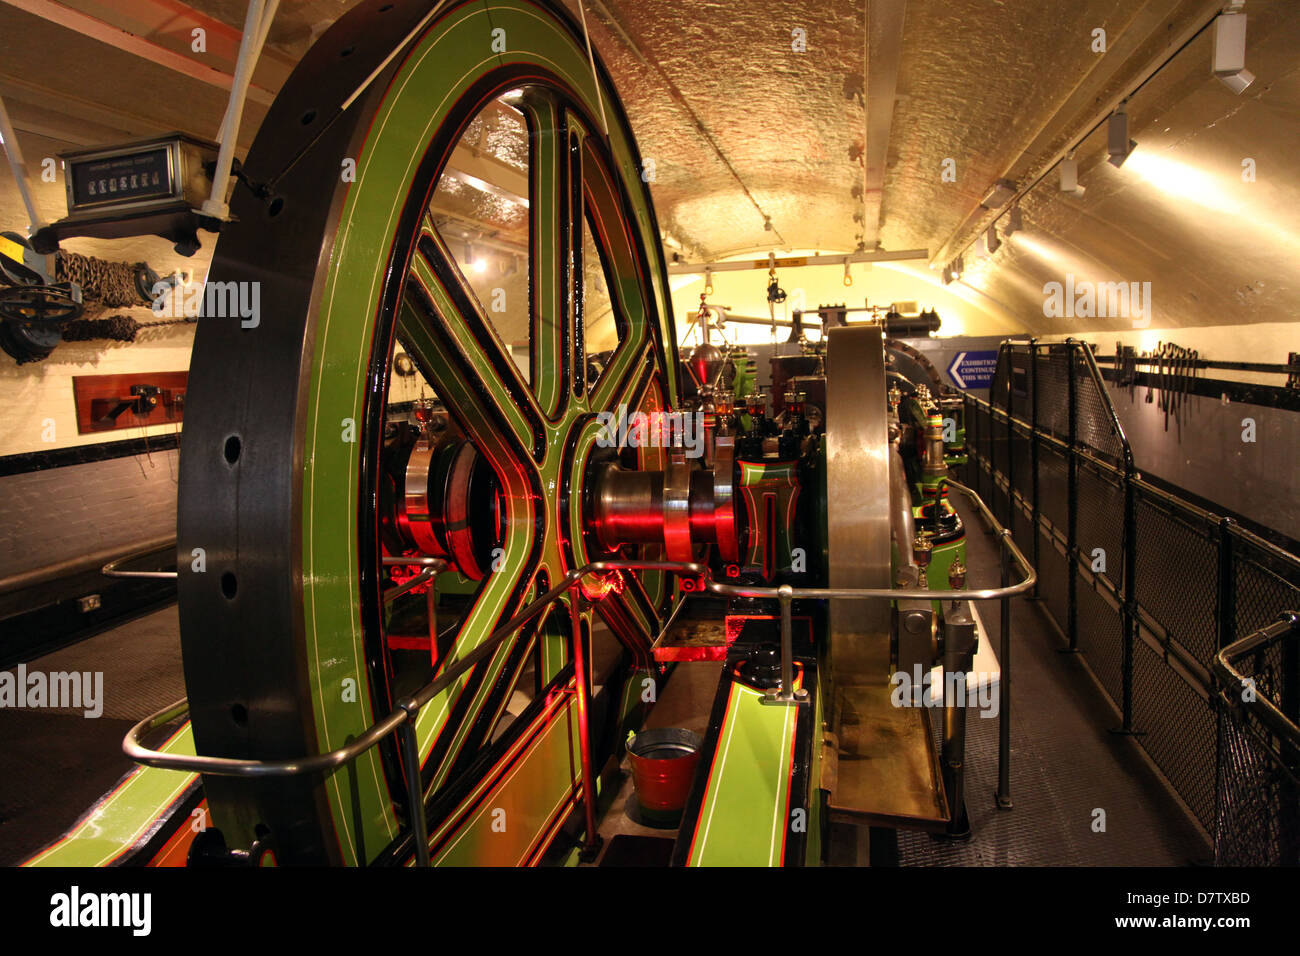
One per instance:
[(785, 594), (110, 570), (236, 767), (402, 718), (1235, 683)]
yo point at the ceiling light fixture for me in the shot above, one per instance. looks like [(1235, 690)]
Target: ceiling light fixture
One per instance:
[(991, 239), (1228, 40), (1015, 221), (1070, 176), (1118, 144), (1003, 191)]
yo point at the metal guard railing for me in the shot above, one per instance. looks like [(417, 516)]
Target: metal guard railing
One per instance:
[(401, 720), (1238, 690)]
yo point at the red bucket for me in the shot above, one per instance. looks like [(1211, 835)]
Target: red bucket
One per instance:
[(663, 766)]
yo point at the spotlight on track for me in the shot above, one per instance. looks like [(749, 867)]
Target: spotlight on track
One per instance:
[(1228, 40), (947, 275), (1015, 221), (999, 195), (991, 240), (957, 267), (1070, 176), (1118, 145)]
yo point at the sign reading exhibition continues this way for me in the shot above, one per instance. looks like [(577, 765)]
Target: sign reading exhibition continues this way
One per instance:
[(973, 369)]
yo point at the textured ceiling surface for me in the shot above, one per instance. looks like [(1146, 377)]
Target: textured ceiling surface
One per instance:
[(763, 123)]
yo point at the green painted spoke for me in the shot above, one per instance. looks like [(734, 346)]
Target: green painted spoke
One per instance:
[(551, 250), (486, 389)]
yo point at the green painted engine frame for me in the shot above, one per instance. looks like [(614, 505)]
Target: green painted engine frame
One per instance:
[(538, 441), (292, 663)]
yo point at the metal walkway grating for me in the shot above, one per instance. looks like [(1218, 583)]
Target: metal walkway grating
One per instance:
[(1064, 764)]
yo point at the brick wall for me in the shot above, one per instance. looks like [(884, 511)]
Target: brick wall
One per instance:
[(60, 513)]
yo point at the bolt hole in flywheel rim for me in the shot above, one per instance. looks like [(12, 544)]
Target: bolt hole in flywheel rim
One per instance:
[(478, 171)]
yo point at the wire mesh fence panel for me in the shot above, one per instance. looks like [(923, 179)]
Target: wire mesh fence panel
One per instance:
[(985, 480), (983, 446), (1257, 815), (1101, 523), (1258, 791), (1000, 502), (1179, 730), (1021, 467), (1265, 584), (1052, 582), (969, 471), (1053, 482), (1178, 574), (1191, 582), (1000, 460), (1092, 418), (1021, 524), (1052, 382), (1100, 639), (1000, 385), (1000, 453)]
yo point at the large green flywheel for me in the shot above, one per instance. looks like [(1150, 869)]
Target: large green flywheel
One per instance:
[(474, 218)]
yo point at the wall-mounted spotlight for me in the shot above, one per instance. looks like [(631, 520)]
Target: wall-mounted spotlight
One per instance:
[(1118, 145), (1015, 221), (1070, 176), (1228, 40), (991, 240), (848, 279)]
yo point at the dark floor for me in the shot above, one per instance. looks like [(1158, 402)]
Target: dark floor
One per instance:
[(54, 764), (1065, 764)]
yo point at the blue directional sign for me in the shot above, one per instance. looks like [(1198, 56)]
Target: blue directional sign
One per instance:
[(973, 369)]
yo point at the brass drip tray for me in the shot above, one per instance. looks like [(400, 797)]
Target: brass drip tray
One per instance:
[(698, 634), (880, 764)]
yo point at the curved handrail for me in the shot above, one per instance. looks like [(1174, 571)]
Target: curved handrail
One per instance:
[(1235, 682), (110, 570), (404, 712)]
